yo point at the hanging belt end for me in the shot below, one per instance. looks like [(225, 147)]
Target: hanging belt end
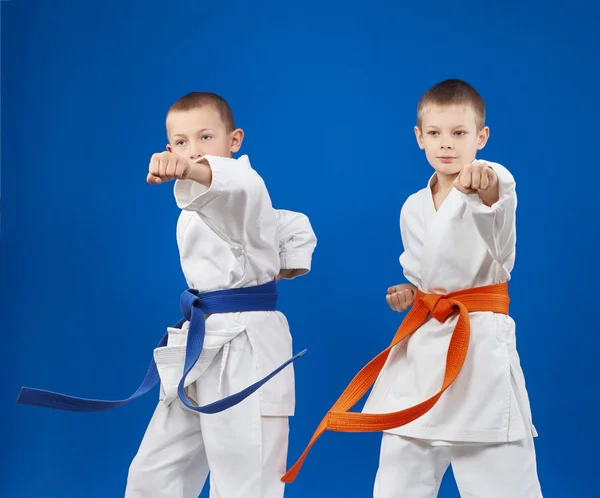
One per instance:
[(22, 398)]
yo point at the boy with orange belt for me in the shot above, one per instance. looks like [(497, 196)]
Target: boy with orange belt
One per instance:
[(459, 242)]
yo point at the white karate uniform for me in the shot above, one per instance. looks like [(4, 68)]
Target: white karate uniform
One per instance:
[(229, 236), (464, 244)]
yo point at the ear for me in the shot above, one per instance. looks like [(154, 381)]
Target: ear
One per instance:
[(169, 148), (483, 137), (419, 136), (237, 137)]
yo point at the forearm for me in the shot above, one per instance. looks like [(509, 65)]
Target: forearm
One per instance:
[(489, 196), (228, 194), (201, 173), (494, 214)]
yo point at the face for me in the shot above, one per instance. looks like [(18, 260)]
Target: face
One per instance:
[(450, 137), (200, 132)]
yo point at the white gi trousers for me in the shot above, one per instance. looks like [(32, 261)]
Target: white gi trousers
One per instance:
[(414, 468), (244, 452)]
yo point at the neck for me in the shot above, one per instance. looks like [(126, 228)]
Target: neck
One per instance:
[(445, 182)]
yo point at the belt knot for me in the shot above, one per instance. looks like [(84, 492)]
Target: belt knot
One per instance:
[(440, 307)]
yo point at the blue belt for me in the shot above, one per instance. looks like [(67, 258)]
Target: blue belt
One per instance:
[(194, 306)]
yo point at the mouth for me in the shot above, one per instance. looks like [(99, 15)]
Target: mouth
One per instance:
[(446, 159)]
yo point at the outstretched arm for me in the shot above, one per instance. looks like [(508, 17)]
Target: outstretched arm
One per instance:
[(489, 191)]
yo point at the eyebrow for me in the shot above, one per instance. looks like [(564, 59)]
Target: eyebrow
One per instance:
[(454, 127), (203, 130)]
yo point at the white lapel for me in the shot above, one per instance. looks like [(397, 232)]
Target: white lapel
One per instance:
[(436, 225)]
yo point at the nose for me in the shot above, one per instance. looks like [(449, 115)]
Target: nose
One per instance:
[(194, 151), (446, 141)]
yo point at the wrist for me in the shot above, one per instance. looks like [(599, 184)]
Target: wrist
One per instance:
[(489, 196), (201, 173)]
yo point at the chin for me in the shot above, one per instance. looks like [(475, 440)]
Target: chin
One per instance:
[(447, 169)]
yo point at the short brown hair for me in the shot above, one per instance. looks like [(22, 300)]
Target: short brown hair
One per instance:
[(196, 100), (452, 92)]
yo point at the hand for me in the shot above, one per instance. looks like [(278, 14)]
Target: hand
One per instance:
[(401, 297), (283, 274), (476, 177), (166, 166)]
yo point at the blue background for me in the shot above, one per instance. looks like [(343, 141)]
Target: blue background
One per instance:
[(326, 92)]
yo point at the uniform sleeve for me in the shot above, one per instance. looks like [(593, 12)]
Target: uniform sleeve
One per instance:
[(410, 259), (497, 224), (235, 201), (297, 242)]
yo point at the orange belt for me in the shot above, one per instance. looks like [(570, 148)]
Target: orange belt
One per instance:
[(492, 298)]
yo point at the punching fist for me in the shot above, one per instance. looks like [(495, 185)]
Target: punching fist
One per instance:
[(476, 177), (401, 297), (166, 166)]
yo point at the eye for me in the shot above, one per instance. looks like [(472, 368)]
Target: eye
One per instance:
[(432, 133), (206, 137), (180, 143), (461, 133)]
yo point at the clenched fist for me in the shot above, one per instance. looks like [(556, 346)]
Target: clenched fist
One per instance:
[(401, 297), (476, 177), (166, 166)]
